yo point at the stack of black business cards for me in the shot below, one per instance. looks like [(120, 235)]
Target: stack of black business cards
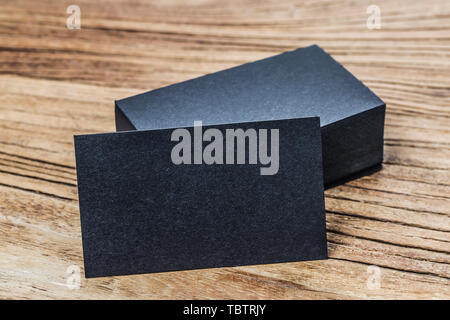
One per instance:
[(227, 169), (302, 83)]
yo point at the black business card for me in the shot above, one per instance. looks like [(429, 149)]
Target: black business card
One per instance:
[(201, 197)]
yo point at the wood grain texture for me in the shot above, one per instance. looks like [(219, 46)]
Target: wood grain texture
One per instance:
[(56, 82)]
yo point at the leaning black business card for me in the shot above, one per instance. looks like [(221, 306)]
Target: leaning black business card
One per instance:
[(201, 197)]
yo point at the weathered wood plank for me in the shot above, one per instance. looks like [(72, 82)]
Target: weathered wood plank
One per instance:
[(56, 82)]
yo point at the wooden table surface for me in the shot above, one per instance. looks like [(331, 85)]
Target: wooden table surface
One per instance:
[(388, 233)]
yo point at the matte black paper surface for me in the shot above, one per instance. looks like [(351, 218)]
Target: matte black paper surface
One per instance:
[(302, 83), (142, 213)]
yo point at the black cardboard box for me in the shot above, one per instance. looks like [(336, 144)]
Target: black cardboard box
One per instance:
[(142, 212), (302, 83)]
